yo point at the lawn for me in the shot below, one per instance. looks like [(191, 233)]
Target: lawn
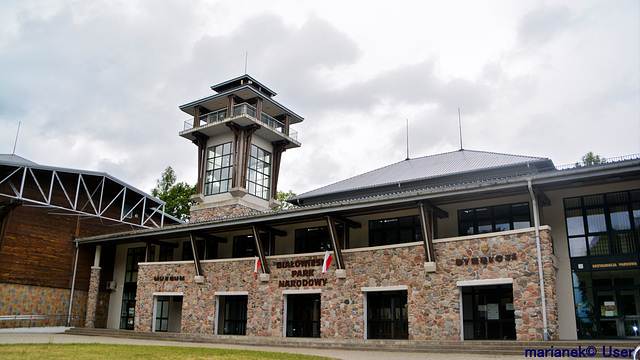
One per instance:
[(128, 352)]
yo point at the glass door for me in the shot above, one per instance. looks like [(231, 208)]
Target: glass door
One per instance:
[(629, 302), (619, 315), (609, 314)]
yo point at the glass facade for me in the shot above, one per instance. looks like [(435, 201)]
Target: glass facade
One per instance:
[(603, 224), (259, 172), (219, 169), (130, 286), (603, 233)]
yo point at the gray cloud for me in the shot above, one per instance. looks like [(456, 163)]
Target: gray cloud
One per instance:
[(97, 85), (542, 24)]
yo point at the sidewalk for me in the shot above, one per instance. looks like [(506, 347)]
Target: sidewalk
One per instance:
[(57, 338)]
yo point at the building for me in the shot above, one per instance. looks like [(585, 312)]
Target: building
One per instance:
[(44, 275), (455, 246)]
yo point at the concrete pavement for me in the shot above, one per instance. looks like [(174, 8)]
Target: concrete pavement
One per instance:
[(59, 338)]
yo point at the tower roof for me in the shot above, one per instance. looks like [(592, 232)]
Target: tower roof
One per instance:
[(243, 81)]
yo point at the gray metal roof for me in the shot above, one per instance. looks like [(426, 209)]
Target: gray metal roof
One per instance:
[(15, 160), (428, 167)]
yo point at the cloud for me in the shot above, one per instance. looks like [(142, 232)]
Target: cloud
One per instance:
[(97, 85), (542, 24)]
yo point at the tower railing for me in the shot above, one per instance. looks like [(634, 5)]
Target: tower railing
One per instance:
[(241, 109)]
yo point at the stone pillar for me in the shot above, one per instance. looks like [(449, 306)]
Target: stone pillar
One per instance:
[(92, 301)]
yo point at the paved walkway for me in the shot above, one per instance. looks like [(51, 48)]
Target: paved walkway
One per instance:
[(57, 338)]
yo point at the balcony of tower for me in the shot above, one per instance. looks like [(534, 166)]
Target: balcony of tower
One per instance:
[(242, 114), (242, 103)]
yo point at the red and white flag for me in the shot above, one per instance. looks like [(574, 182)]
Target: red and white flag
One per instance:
[(327, 262), (257, 267)]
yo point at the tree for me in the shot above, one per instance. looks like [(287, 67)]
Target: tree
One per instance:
[(591, 159), (177, 196), (282, 197)]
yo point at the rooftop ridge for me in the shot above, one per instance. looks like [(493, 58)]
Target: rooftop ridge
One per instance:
[(319, 191)]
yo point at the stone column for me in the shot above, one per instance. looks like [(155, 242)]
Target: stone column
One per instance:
[(92, 301), (94, 286)]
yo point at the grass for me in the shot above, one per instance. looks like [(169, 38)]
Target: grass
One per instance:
[(128, 352)]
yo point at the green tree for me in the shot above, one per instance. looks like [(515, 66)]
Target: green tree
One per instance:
[(282, 197), (591, 159), (177, 196)]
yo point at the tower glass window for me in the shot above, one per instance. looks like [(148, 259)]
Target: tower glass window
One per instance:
[(219, 164), (259, 172)]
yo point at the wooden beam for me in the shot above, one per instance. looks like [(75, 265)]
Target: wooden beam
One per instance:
[(196, 116), (272, 230), (236, 130), (278, 148), (333, 234), (201, 142), (348, 222), (263, 259), (246, 147), (426, 232), (542, 197), (207, 236), (147, 252), (5, 216), (163, 243), (435, 210), (196, 258)]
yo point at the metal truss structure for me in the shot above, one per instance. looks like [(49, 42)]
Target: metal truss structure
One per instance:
[(80, 193)]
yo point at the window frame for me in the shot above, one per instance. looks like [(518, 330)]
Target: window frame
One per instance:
[(320, 240), (388, 226), (225, 160), (259, 172), (587, 238), (465, 221)]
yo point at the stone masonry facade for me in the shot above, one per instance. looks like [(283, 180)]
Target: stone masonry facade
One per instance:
[(433, 298), (17, 299), (221, 212), (92, 302)]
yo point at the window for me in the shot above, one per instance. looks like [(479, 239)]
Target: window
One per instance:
[(233, 315), (603, 224), (244, 245), (387, 315), (303, 315), (207, 249), (317, 239), (394, 231), (219, 169), (130, 286), (166, 253), (259, 172), (162, 314), (493, 218)]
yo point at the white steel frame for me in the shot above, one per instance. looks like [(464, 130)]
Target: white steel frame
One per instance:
[(74, 184)]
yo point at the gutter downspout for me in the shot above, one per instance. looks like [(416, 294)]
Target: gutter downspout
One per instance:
[(73, 284), (536, 221)]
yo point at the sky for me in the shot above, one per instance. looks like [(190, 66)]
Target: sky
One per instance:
[(96, 85)]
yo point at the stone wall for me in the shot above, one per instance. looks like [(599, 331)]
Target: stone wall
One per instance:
[(16, 299), (220, 212), (432, 298)]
